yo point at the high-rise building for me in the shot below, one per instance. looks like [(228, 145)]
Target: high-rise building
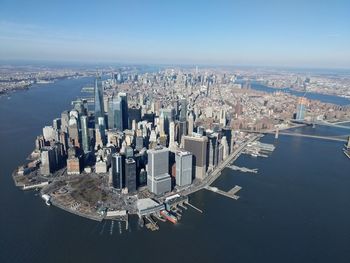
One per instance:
[(134, 115), (172, 136), (301, 108), (48, 160), (212, 150), (161, 124), (223, 117), (227, 132), (115, 116), (225, 148), (197, 145), (56, 124), (117, 171), (64, 121), (158, 178), (85, 138), (183, 110), (73, 132), (100, 139), (99, 106), (190, 123), (183, 160), (130, 175), (125, 114)]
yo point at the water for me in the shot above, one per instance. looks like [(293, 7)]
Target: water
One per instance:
[(296, 209), (310, 95)]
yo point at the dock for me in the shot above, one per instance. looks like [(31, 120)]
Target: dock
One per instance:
[(231, 193), (243, 169)]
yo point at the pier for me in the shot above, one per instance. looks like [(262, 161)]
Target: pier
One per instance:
[(243, 169), (231, 193)]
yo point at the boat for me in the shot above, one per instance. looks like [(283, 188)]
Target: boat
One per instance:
[(168, 216), (253, 155), (347, 153), (46, 199)]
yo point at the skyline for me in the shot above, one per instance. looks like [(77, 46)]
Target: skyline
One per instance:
[(294, 34)]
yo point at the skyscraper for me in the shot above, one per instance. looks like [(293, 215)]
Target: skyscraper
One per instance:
[(115, 116), (117, 171), (158, 178), (99, 110), (190, 123), (161, 124), (172, 135), (125, 114), (130, 175), (183, 160), (183, 110), (85, 138), (197, 145)]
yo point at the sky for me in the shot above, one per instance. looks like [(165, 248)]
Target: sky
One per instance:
[(287, 33)]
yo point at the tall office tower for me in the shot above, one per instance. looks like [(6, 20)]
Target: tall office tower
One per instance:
[(39, 142), (190, 123), (227, 132), (169, 116), (134, 114), (79, 105), (125, 114), (158, 178), (115, 116), (223, 117), (183, 160), (301, 108), (212, 153), (139, 143), (183, 110), (85, 138), (208, 87), (152, 139), (100, 133), (161, 124), (73, 132), (48, 133), (130, 175), (99, 109), (48, 160), (225, 149), (197, 145), (220, 153), (117, 171), (64, 140), (182, 130), (64, 121), (56, 124), (172, 144)]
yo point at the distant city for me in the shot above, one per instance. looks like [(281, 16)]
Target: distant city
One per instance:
[(139, 142)]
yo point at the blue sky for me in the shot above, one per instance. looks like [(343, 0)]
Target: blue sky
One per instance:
[(270, 33)]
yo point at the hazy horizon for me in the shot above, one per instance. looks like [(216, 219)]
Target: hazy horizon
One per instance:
[(293, 34)]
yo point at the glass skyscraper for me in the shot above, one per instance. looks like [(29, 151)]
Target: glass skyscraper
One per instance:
[(99, 110)]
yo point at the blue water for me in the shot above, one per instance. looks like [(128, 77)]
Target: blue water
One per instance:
[(296, 209), (314, 96)]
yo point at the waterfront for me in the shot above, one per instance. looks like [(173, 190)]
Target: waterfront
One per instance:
[(294, 210), (310, 95)]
